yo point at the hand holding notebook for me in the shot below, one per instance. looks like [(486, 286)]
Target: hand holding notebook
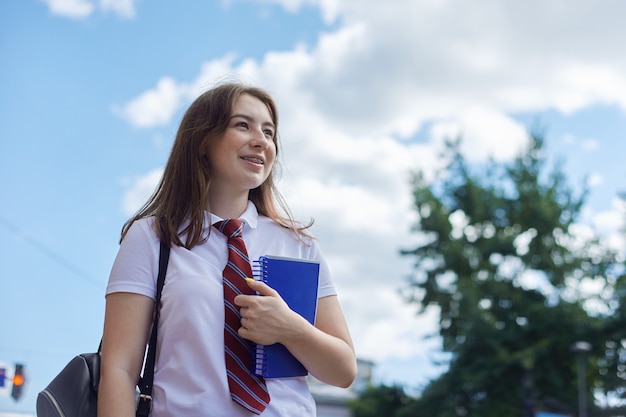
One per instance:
[(296, 281)]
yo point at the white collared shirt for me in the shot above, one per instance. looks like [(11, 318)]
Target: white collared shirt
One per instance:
[(190, 375)]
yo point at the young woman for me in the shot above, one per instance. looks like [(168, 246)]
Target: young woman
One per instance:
[(221, 167)]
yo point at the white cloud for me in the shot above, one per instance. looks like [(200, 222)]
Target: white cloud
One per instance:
[(611, 224), (140, 190), (157, 106), (484, 133), (595, 180), (386, 70), (123, 8), (154, 107), (80, 9), (328, 8), (76, 9), (600, 83)]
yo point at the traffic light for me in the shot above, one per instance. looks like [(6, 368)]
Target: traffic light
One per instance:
[(18, 382)]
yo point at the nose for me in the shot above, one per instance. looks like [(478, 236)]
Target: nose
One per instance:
[(260, 140)]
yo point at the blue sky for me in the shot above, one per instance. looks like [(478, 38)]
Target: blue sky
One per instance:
[(92, 91)]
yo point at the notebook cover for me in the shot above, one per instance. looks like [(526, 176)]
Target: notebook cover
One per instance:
[(296, 280)]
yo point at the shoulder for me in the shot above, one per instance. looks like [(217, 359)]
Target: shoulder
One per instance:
[(140, 239), (269, 238), (136, 262), (268, 227), (141, 229)]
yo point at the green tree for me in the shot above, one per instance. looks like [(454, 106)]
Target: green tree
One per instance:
[(613, 362), (612, 365), (502, 263), (382, 400)]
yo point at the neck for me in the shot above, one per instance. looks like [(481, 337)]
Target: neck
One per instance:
[(228, 208)]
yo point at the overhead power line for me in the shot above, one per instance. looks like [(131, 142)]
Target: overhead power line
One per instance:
[(55, 257)]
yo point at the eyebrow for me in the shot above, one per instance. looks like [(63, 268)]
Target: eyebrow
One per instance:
[(251, 119)]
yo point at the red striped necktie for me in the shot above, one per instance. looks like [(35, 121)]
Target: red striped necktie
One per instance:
[(246, 388)]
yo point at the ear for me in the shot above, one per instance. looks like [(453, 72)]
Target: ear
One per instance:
[(204, 152)]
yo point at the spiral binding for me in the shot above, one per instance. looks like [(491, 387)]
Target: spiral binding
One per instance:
[(259, 269), (259, 273)]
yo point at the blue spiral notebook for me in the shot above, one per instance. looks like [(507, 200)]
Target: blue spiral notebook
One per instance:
[(296, 281)]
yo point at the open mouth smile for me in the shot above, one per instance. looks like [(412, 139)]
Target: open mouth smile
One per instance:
[(253, 159)]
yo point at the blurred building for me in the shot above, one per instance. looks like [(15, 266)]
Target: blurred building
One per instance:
[(332, 401)]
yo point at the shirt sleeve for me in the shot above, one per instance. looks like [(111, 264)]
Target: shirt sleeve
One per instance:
[(326, 287), (136, 263)]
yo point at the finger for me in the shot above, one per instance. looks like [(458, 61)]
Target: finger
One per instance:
[(243, 300), (261, 287), (244, 332)]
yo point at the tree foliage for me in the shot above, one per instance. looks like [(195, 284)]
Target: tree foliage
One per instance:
[(383, 400), (502, 261)]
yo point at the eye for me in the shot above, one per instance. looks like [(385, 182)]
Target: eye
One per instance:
[(269, 133), (242, 124)]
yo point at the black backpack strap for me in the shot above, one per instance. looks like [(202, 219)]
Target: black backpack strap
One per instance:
[(144, 403)]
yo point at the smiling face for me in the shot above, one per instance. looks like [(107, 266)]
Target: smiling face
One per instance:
[(243, 157)]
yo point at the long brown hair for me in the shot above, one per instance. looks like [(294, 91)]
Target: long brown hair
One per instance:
[(181, 198)]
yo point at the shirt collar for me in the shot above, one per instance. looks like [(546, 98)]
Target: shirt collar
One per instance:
[(250, 216)]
